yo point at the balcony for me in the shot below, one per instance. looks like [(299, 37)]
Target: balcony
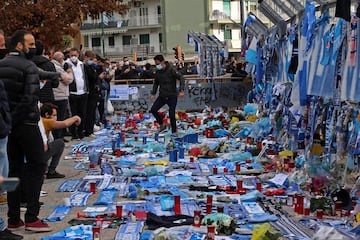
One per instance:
[(132, 22), (145, 21), (142, 50), (221, 17), (111, 24)]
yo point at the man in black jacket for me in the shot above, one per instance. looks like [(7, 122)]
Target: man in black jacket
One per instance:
[(5, 127), (46, 92), (94, 79), (21, 79), (165, 78)]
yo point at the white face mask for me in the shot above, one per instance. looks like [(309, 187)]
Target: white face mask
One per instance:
[(73, 59), (42, 84), (126, 63)]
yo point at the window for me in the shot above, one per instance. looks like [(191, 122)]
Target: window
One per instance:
[(86, 41), (126, 40), (160, 37), (111, 41), (158, 10), (227, 32), (144, 38), (95, 42), (226, 7)]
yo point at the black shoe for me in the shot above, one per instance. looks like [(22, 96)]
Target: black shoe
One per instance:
[(81, 136), (8, 235), (75, 137), (54, 174)]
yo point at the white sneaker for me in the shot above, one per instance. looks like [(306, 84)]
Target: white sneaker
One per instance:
[(43, 194), (97, 128)]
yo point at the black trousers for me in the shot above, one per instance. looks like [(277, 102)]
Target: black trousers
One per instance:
[(61, 115), (159, 103), (90, 114), (25, 141), (78, 106), (55, 150)]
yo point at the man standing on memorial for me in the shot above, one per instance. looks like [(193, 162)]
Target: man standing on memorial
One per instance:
[(165, 80), (21, 79)]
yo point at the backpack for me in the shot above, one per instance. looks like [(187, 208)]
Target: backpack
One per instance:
[(5, 116)]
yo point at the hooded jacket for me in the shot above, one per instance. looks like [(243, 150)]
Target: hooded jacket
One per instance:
[(165, 80)]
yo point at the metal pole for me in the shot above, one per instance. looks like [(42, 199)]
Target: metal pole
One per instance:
[(102, 34), (242, 18)]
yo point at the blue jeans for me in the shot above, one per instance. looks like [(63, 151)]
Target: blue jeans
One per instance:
[(159, 103), (4, 162)]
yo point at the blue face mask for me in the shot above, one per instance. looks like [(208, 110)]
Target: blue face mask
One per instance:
[(159, 67), (42, 84), (89, 62), (95, 65)]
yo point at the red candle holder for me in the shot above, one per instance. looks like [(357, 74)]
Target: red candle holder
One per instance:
[(191, 159), (96, 232), (215, 170), (239, 184), (237, 167), (300, 204), (258, 186), (291, 165), (319, 213), (197, 222), (118, 153), (209, 199), (91, 166), (225, 170), (286, 164), (248, 140), (306, 211), (119, 209), (93, 187), (210, 233), (177, 209), (220, 209), (208, 208)]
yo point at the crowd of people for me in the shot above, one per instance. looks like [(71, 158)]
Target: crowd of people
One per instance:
[(41, 97)]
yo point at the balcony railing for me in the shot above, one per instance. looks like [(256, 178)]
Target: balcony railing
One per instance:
[(142, 50), (143, 21)]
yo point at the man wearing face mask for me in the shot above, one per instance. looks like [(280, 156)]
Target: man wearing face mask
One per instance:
[(165, 80), (5, 127), (128, 70), (21, 79), (91, 70), (79, 89)]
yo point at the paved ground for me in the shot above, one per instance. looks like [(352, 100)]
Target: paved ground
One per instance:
[(56, 198)]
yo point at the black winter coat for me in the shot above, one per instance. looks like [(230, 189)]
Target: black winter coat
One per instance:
[(21, 79), (165, 80), (94, 81), (46, 93), (5, 116)]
